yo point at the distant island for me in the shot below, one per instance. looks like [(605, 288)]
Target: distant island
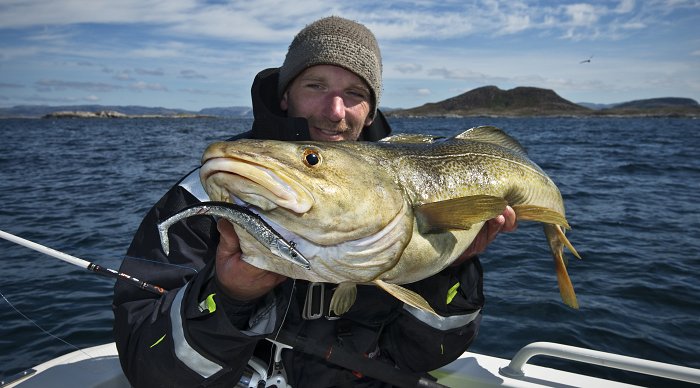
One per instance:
[(531, 101), (484, 101), (110, 114), (119, 112)]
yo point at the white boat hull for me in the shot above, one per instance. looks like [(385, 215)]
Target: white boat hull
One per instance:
[(98, 367), (93, 367)]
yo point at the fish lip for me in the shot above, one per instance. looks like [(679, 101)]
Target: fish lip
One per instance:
[(284, 191)]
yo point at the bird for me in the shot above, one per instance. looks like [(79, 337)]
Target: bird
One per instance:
[(587, 60)]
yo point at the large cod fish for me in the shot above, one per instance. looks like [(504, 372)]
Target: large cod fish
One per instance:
[(385, 213)]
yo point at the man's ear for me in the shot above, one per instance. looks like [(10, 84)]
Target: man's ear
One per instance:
[(284, 104), (369, 120)]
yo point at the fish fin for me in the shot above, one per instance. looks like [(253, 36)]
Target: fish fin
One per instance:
[(566, 289), (548, 216), (405, 295), (458, 213), (343, 298), (493, 135), (410, 138), (566, 242), (540, 214)]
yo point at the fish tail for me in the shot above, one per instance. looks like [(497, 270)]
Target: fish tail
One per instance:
[(554, 223), (557, 240), (547, 216)]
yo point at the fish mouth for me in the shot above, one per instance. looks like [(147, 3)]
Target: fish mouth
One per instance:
[(254, 183)]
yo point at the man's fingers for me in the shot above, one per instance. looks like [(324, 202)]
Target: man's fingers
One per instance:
[(506, 222), (238, 279), (229, 239), (493, 227), (510, 220), (225, 227)]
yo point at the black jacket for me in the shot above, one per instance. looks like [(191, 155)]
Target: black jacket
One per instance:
[(195, 336)]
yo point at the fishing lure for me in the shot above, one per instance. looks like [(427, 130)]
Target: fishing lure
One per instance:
[(243, 217)]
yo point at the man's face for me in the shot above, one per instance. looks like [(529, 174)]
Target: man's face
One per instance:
[(335, 101)]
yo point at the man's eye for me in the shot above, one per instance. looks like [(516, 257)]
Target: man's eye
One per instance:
[(314, 86), (359, 94)]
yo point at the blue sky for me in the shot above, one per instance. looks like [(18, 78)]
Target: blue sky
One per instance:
[(193, 54)]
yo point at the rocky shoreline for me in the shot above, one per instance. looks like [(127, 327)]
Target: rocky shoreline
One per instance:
[(693, 114), (110, 114)]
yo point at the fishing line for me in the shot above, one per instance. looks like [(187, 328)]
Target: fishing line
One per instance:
[(156, 262), (270, 362), (39, 327), (289, 303)]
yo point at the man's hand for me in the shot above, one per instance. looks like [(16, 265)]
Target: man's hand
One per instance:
[(506, 222), (238, 279)]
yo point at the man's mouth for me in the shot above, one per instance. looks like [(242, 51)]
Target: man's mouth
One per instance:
[(330, 132)]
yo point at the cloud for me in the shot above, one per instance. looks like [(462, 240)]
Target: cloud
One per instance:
[(625, 6), (123, 75), (56, 36), (190, 18), (516, 23), (6, 85), (191, 74), (154, 72), (141, 86), (408, 68), (253, 23), (59, 100), (465, 75), (56, 85), (206, 92), (13, 53), (29, 13), (162, 50), (582, 14), (475, 42)]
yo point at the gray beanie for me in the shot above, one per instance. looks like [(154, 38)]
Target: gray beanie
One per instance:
[(335, 41)]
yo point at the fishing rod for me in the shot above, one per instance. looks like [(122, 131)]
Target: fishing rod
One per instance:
[(82, 263), (331, 353)]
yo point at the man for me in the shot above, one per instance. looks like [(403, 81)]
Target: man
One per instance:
[(213, 321)]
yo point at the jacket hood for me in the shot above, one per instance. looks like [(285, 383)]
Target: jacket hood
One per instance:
[(272, 123)]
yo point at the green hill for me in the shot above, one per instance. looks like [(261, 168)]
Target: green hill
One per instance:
[(490, 100)]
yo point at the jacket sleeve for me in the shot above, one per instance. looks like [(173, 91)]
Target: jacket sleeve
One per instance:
[(189, 335), (420, 341)]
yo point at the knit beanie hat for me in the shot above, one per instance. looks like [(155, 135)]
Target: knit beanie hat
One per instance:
[(335, 41)]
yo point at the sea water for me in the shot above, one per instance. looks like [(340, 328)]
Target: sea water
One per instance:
[(630, 185)]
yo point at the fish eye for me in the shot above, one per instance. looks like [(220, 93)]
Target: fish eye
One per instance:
[(311, 157)]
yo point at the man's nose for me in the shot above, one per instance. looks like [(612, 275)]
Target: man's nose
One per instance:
[(336, 108)]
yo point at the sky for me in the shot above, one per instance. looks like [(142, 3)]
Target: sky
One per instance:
[(193, 54)]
